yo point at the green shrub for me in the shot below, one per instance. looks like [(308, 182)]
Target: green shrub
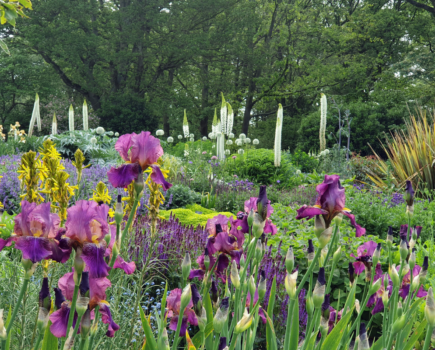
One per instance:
[(197, 208), (181, 196), (303, 161), (189, 217), (197, 146)]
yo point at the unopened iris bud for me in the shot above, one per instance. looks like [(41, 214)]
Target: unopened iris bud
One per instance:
[(375, 287), (119, 212), (403, 249), (262, 286), (235, 278), (139, 185), (398, 324), (385, 298), (357, 306), (324, 326), (394, 275), (325, 307), (242, 261), (412, 259), (290, 284), (319, 225), (323, 254), (289, 260), (207, 259), (214, 292), (415, 283), (83, 298), (409, 193), (363, 340), (244, 323), (196, 300), (429, 310), (85, 324), (251, 285), (29, 267), (251, 218), (336, 256), (3, 334), (186, 266), (319, 289), (258, 226), (79, 266), (44, 295), (405, 270), (259, 250), (310, 251), (164, 343), (377, 254), (202, 319), (325, 237), (186, 296), (351, 271), (223, 344), (221, 315), (390, 237), (338, 219), (423, 272), (262, 203), (309, 305)]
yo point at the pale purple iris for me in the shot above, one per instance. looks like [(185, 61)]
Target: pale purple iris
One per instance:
[(139, 151), (37, 234), (173, 311), (330, 202), (406, 283), (376, 299), (364, 256), (251, 204)]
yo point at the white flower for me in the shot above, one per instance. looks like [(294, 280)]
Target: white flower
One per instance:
[(191, 135), (191, 139), (204, 138), (298, 172), (242, 136), (239, 142), (180, 137), (116, 134), (100, 130), (231, 135), (214, 146), (326, 151), (227, 152), (160, 132), (212, 136), (247, 140), (94, 140), (170, 139), (110, 133), (255, 142), (229, 142), (240, 151)]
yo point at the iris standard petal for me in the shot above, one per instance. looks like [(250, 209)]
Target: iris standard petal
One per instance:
[(309, 212), (145, 149), (123, 145)]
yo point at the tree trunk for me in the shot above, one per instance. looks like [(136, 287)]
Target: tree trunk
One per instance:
[(203, 124)]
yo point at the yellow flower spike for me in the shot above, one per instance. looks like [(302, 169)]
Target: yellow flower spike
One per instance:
[(101, 194), (190, 345)]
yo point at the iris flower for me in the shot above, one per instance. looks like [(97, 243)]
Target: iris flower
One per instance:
[(330, 202), (139, 151), (406, 283), (220, 268), (251, 204), (86, 227), (37, 234), (97, 295), (376, 299), (364, 258), (173, 305)]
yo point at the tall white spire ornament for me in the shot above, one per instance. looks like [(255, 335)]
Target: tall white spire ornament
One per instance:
[(224, 113), (85, 116), (214, 125), (230, 121), (185, 126), (54, 125), (322, 130), (278, 134), (36, 117), (71, 118)]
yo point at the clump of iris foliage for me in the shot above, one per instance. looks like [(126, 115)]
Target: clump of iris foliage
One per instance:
[(93, 257)]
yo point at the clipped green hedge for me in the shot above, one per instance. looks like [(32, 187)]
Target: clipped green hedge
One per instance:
[(190, 217)]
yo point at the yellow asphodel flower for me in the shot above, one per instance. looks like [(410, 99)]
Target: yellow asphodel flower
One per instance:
[(101, 194)]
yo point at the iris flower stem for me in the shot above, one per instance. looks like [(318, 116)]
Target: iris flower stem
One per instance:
[(427, 340), (129, 222), (289, 322), (309, 271), (73, 304), (76, 329), (84, 344), (331, 246), (233, 342), (17, 306), (177, 332), (328, 287), (38, 340), (310, 326)]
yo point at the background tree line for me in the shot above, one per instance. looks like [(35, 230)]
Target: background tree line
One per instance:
[(140, 63)]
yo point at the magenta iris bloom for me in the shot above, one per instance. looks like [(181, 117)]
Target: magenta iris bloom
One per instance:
[(120, 263), (37, 234), (221, 267), (330, 202), (248, 305), (251, 204), (173, 303), (139, 151), (86, 227), (97, 296), (364, 256), (406, 283), (376, 299), (332, 315)]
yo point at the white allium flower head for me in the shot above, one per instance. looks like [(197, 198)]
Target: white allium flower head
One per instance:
[(116, 134), (191, 135), (191, 139), (160, 132), (227, 152), (204, 138), (255, 142), (94, 140), (170, 139), (326, 151), (247, 140), (231, 135), (298, 172), (239, 142), (240, 151), (100, 130), (242, 136), (229, 142), (110, 133), (180, 137)]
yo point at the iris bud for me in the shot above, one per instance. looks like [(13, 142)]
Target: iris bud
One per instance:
[(319, 225), (415, 283), (262, 203), (165, 340), (244, 323), (3, 334), (251, 218), (357, 306), (139, 185), (336, 255), (186, 266), (375, 287), (325, 237), (85, 323), (221, 315), (429, 310), (423, 272), (390, 237), (29, 267), (242, 261), (207, 259), (310, 251), (403, 249), (394, 275), (319, 289), (119, 212), (405, 270), (324, 326), (363, 340), (251, 285), (223, 344), (196, 300), (338, 219), (377, 254), (309, 305), (289, 260), (235, 278), (398, 324), (290, 284), (259, 250), (258, 226), (186, 296), (409, 193), (202, 320), (262, 286), (412, 259), (351, 271)]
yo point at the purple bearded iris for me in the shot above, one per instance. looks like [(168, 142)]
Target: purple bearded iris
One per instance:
[(37, 234), (86, 227), (120, 263), (248, 305), (97, 295), (251, 204), (406, 283), (364, 258), (376, 299), (330, 202), (139, 152), (173, 311)]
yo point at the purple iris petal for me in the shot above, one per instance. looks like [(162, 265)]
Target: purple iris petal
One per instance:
[(123, 145), (93, 256), (59, 321), (60, 250), (33, 248), (196, 274), (309, 212), (123, 176), (106, 317), (331, 195), (5, 243), (360, 231), (359, 267), (145, 149), (158, 178), (123, 265), (379, 307), (270, 228)]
